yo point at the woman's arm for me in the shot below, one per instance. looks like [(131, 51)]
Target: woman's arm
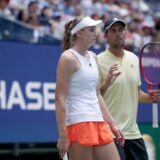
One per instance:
[(65, 70), (109, 119), (107, 116)]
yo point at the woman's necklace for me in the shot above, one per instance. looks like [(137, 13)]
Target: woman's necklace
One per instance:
[(88, 60), (86, 57)]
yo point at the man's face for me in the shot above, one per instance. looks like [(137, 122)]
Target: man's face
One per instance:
[(115, 35)]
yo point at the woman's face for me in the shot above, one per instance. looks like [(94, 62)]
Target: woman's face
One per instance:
[(88, 36)]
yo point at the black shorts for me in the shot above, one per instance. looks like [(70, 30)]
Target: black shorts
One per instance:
[(133, 149)]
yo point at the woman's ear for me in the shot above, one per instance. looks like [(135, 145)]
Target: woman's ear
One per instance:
[(79, 33)]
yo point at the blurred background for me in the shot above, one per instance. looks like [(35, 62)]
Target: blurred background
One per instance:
[(30, 45)]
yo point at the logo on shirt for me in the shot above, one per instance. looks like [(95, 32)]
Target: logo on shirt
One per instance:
[(132, 66)]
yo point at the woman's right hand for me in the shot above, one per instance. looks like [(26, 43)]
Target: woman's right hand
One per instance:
[(62, 146)]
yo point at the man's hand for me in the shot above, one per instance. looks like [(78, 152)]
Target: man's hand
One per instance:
[(154, 95), (112, 74), (110, 78)]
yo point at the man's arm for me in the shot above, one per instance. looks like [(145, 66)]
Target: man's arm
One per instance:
[(110, 78), (147, 98)]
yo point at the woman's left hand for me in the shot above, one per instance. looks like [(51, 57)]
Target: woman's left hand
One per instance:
[(118, 134)]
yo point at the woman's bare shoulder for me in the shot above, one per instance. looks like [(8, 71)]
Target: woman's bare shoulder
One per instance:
[(67, 56), (68, 61)]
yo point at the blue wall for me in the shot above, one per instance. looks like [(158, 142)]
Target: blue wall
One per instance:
[(27, 92)]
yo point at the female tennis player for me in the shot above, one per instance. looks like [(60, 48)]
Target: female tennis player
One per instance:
[(84, 123)]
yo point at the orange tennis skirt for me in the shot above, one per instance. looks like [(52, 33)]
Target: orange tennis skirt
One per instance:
[(90, 133)]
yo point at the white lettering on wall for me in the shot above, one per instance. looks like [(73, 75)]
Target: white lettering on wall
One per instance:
[(2, 94), (16, 97), (34, 95), (31, 96)]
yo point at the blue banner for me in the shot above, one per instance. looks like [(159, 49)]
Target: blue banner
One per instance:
[(27, 93)]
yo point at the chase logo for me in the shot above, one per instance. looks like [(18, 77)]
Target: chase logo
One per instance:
[(132, 66), (31, 96)]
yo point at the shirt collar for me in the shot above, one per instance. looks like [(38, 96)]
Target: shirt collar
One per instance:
[(112, 55)]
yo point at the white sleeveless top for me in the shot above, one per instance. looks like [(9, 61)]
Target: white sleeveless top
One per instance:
[(82, 102)]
